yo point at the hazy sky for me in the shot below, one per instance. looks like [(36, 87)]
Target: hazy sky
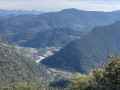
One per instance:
[(55, 5)]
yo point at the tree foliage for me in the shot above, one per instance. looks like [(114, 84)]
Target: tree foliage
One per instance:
[(22, 86), (109, 77), (15, 67), (79, 82)]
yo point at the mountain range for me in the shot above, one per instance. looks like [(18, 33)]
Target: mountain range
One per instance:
[(21, 29), (87, 38), (87, 53), (68, 18), (5, 14), (19, 12)]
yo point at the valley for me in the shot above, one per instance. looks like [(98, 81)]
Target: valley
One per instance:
[(86, 53), (61, 50), (41, 36), (38, 54)]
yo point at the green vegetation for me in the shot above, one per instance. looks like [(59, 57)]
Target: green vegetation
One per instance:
[(17, 72), (20, 73), (79, 82), (22, 86), (84, 54), (107, 78), (61, 83), (15, 67)]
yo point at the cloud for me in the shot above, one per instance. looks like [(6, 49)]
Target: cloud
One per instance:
[(55, 5)]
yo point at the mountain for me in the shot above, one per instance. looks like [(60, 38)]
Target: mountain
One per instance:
[(5, 14), (53, 37), (24, 28), (19, 12), (87, 53), (3, 17), (68, 18), (15, 67), (116, 11)]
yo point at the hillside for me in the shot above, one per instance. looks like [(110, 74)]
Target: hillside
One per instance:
[(87, 53), (53, 37), (18, 38), (15, 67), (3, 17)]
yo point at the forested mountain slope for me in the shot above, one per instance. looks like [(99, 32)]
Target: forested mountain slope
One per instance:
[(15, 67), (88, 52)]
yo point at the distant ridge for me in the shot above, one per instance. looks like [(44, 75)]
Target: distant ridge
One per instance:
[(21, 29), (6, 14), (68, 18), (19, 12)]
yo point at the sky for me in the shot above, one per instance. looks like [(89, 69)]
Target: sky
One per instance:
[(56, 5)]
